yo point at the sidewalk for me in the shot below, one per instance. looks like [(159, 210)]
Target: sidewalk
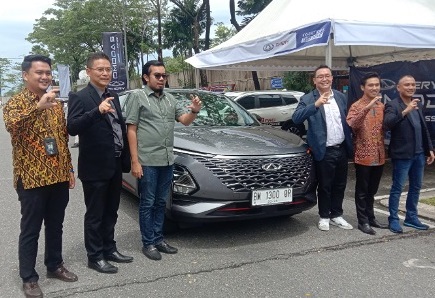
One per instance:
[(424, 210)]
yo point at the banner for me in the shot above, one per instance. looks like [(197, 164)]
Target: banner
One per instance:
[(64, 80), (113, 47), (390, 74)]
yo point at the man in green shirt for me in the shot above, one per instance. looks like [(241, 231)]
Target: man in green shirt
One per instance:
[(150, 116)]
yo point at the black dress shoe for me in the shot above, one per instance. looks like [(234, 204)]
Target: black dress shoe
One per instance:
[(376, 224), (366, 228), (117, 257), (166, 248), (102, 266), (151, 252)]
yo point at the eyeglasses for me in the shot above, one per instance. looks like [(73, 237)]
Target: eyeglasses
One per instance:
[(102, 69), (158, 76), (321, 77)]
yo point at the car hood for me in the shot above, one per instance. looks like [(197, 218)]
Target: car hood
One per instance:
[(241, 141)]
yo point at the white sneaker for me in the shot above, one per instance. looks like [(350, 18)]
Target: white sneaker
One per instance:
[(324, 224), (340, 222)]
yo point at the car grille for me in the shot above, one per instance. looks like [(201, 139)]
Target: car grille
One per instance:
[(247, 174)]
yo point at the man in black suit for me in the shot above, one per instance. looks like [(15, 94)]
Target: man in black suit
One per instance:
[(95, 115), (410, 147)]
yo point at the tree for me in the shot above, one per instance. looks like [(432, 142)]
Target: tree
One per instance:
[(5, 64), (73, 29), (249, 9), (12, 79), (298, 80), (187, 21), (222, 33)]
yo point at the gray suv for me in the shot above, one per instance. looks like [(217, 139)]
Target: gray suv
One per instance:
[(230, 167)]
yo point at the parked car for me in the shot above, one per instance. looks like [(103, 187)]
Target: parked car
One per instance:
[(272, 107), (228, 166)]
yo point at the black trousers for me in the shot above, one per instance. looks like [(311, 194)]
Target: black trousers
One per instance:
[(331, 174), (48, 204), (366, 187), (102, 203)]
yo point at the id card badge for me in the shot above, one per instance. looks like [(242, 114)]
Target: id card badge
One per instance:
[(50, 146)]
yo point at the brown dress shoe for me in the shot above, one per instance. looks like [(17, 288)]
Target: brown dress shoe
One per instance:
[(63, 274), (32, 290)]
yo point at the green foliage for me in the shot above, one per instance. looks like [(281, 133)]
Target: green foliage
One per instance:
[(74, 28), (10, 77), (250, 9), (185, 23), (298, 80), (222, 33), (429, 201)]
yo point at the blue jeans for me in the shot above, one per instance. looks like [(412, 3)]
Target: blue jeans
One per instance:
[(413, 168), (154, 187)]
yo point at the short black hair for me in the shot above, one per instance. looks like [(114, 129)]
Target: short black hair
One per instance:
[(95, 56), (321, 67), (27, 62), (369, 75), (146, 68)]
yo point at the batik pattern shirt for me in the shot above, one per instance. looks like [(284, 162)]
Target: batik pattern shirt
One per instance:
[(28, 128), (368, 132)]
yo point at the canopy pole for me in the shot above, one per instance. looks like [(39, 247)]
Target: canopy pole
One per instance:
[(197, 78), (328, 56)]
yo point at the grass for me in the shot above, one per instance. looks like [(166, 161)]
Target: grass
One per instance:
[(429, 201)]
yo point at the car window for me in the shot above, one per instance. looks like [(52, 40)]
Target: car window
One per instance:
[(267, 101), (248, 102), (289, 99), (217, 110)]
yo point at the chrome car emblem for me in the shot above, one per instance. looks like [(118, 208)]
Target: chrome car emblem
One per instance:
[(271, 166), (268, 47)]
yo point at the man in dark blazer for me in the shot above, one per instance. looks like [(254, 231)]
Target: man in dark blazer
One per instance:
[(329, 138), (409, 144), (95, 115)]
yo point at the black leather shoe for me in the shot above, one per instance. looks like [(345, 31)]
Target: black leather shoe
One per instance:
[(166, 248), (151, 252), (102, 266), (366, 228), (117, 257), (377, 224)]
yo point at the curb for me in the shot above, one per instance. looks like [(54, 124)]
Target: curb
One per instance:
[(424, 210)]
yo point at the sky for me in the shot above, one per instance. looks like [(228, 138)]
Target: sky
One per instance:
[(18, 16)]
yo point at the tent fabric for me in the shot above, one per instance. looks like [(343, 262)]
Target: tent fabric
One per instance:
[(297, 34)]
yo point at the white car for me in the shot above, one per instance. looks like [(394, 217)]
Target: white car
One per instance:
[(271, 107)]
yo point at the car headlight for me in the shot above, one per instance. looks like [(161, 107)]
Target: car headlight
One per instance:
[(183, 181)]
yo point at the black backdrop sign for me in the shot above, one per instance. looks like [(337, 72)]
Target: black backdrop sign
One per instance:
[(113, 47), (390, 73)]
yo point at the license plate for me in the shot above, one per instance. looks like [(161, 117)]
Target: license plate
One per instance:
[(272, 196)]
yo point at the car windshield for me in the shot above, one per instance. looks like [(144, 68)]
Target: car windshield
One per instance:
[(217, 109)]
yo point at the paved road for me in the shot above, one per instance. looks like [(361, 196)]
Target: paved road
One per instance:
[(282, 257)]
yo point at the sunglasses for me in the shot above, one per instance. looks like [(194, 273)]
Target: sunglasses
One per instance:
[(158, 76)]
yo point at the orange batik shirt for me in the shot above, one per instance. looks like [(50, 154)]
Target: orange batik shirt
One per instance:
[(28, 128), (368, 132)]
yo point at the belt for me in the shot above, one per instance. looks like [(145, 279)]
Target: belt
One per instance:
[(118, 153), (335, 146)]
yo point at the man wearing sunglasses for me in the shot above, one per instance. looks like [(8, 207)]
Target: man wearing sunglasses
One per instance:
[(150, 116)]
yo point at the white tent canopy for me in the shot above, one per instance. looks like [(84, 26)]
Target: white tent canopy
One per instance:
[(302, 34)]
